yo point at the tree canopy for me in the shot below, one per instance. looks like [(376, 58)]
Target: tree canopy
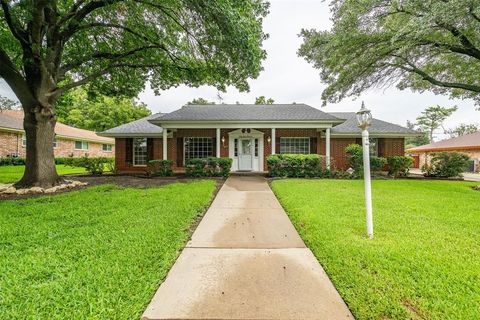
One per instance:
[(433, 118), (263, 100), (8, 104), (200, 101), (422, 45), (416, 141), (463, 129)]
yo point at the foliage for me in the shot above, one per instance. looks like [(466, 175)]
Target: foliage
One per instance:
[(209, 167), (446, 164), (8, 104), (94, 165), (416, 44), (433, 117), (296, 165), (77, 254), (423, 261), (355, 160), (200, 101), (399, 166), (97, 112), (10, 174), (160, 168), (416, 141), (463, 129), (263, 100), (12, 161)]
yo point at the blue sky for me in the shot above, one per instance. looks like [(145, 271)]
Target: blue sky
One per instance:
[(288, 78)]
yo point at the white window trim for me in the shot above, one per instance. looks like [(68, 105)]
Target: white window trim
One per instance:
[(83, 143), (184, 138), (309, 143), (133, 152)]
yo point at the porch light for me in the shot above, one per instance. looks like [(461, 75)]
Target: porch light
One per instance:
[(223, 141), (364, 118), (269, 140)]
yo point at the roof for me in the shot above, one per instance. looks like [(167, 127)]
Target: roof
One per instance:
[(466, 142), (350, 126), (13, 120), (247, 112), (140, 126)]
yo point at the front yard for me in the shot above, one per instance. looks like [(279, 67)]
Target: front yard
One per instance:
[(424, 262), (97, 253), (9, 174)]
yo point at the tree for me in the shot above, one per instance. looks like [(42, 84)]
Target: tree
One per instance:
[(416, 141), (98, 112), (49, 47), (421, 45), (201, 101), (463, 129), (8, 104), (433, 117), (263, 100)]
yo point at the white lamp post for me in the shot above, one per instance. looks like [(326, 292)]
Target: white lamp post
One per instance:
[(364, 118)]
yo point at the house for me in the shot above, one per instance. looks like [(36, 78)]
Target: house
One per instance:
[(68, 140), (468, 144), (247, 134)]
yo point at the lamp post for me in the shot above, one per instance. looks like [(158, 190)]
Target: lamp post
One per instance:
[(364, 118)]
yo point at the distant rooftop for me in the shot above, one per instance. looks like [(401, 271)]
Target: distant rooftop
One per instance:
[(350, 126), (140, 126), (468, 141)]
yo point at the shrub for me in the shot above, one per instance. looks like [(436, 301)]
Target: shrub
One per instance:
[(446, 164), (94, 165), (12, 161), (355, 160), (377, 163), (161, 168), (209, 167), (398, 166), (295, 165)]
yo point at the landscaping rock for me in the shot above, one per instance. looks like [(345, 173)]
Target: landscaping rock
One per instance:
[(22, 191), (51, 190), (36, 190), (9, 190)]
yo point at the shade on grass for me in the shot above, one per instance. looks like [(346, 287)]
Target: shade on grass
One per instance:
[(424, 262), (98, 253), (10, 174)]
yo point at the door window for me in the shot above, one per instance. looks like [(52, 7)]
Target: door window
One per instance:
[(246, 147)]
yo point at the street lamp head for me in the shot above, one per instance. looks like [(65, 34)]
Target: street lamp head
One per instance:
[(364, 117)]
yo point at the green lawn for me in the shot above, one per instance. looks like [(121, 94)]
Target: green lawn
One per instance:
[(97, 253), (424, 262), (9, 174)]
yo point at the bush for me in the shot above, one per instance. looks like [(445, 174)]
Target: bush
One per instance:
[(446, 164), (355, 160), (209, 167), (94, 165), (12, 161), (160, 168), (398, 166), (295, 165)]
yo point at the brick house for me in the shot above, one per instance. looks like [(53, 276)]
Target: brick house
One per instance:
[(68, 140), (468, 144), (247, 134)]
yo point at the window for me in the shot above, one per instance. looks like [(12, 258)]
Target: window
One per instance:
[(235, 147), (295, 145), (81, 145), (140, 151), (107, 147), (198, 148), (256, 147), (24, 141), (373, 147), (54, 143)]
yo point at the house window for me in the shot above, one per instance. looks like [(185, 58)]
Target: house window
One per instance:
[(81, 145), (24, 141), (107, 147), (235, 147), (256, 147), (295, 145), (198, 148), (140, 151), (54, 143), (373, 147)]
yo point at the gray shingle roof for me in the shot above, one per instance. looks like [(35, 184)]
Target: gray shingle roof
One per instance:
[(378, 126), (140, 126), (247, 112)]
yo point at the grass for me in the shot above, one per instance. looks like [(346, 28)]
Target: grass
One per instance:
[(97, 253), (424, 262), (9, 174)]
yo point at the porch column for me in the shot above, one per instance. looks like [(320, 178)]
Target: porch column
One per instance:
[(164, 141), (273, 141), (218, 143), (327, 148)]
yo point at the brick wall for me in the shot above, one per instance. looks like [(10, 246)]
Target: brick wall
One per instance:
[(10, 143)]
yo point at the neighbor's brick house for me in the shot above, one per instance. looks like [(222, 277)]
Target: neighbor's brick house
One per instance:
[(69, 141), (247, 134)]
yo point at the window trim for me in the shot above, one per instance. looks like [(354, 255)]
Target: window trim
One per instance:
[(55, 143), (375, 154), (146, 152), (24, 140), (309, 144), (184, 144), (107, 144), (83, 144)]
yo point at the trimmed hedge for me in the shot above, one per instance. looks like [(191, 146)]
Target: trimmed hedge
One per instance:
[(12, 161), (209, 167), (94, 165), (295, 165), (160, 168), (446, 165), (399, 166), (355, 160)]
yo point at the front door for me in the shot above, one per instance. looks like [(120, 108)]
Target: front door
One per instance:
[(245, 155)]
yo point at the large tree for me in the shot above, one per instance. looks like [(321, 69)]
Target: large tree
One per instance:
[(463, 129), (433, 118), (415, 141), (423, 45), (201, 101), (263, 100), (48, 47)]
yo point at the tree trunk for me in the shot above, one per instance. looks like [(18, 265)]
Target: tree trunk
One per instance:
[(40, 168)]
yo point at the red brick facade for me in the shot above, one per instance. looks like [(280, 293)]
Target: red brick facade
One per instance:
[(387, 146)]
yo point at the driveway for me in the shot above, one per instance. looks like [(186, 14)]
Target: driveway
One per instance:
[(246, 261)]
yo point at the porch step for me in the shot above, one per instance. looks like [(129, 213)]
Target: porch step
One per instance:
[(249, 173)]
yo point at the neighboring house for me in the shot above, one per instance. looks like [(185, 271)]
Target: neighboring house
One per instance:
[(68, 140), (247, 134), (468, 144)]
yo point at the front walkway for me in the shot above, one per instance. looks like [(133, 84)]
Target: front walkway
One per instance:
[(246, 261)]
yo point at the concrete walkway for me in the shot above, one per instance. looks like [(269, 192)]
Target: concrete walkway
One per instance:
[(246, 261)]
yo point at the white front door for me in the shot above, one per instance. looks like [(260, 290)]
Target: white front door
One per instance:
[(245, 154)]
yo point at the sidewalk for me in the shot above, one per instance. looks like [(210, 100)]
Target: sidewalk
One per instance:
[(246, 261)]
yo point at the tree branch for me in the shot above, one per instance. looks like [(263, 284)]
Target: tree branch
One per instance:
[(13, 25)]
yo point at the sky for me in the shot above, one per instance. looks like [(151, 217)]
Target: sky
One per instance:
[(288, 78)]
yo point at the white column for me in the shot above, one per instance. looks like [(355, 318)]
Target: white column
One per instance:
[(164, 141), (368, 187), (273, 141), (218, 143), (327, 148)]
